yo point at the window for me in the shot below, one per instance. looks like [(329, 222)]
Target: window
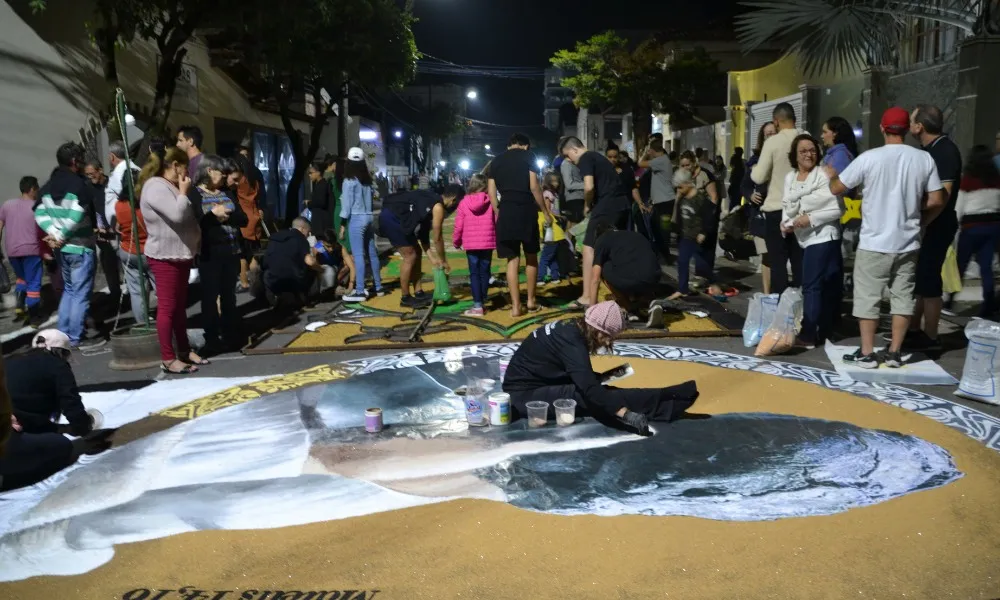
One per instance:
[(928, 41)]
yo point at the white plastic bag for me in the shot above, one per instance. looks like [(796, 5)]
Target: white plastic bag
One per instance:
[(194, 276), (759, 316), (980, 378), (780, 336)]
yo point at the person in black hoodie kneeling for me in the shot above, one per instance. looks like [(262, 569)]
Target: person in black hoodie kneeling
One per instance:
[(290, 269), (553, 363)]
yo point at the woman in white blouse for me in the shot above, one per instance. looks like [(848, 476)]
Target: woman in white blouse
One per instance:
[(812, 214)]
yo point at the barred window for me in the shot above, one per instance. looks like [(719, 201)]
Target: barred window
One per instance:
[(927, 41)]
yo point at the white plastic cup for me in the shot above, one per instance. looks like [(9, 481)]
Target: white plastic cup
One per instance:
[(97, 417), (538, 414), (565, 412)]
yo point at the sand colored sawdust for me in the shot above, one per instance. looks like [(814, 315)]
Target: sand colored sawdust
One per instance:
[(941, 543), (496, 325)]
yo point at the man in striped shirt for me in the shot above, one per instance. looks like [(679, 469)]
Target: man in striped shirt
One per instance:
[(65, 212)]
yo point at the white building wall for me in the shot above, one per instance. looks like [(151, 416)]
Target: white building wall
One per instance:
[(52, 88)]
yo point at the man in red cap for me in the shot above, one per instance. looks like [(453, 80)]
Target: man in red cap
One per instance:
[(902, 194)]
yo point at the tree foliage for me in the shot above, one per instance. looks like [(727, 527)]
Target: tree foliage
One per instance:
[(313, 45), (439, 122), (841, 34), (167, 24), (607, 72)]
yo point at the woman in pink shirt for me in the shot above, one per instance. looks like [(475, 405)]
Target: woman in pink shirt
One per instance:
[(475, 231)]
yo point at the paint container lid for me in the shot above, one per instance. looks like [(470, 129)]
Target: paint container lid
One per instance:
[(373, 412)]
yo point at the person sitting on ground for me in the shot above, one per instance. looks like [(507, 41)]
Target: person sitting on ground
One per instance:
[(412, 221), (554, 363), (696, 216), (290, 269), (41, 386), (627, 264)]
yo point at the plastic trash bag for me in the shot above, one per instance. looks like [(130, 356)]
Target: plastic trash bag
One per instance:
[(442, 292), (982, 362), (780, 336), (759, 316), (950, 277)]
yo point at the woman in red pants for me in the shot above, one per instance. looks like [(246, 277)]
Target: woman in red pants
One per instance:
[(173, 238)]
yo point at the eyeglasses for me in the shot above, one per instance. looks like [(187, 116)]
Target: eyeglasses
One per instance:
[(808, 152)]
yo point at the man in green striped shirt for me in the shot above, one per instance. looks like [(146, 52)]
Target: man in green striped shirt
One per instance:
[(65, 212)]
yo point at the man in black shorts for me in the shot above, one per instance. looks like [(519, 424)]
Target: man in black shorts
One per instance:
[(927, 125), (605, 202), (627, 264), (512, 175), (412, 221)]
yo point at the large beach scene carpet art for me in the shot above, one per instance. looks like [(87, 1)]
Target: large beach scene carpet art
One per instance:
[(785, 481)]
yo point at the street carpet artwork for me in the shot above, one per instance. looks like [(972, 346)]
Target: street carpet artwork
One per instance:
[(761, 457)]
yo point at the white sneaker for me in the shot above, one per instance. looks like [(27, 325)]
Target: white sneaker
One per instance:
[(354, 297), (655, 317)]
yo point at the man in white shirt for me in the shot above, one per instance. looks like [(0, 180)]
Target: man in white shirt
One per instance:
[(116, 181), (902, 194), (771, 168)]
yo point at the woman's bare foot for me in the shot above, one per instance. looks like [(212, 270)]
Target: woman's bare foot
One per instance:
[(194, 359), (676, 296), (178, 367)]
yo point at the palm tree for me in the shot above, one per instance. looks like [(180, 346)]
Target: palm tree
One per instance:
[(827, 34)]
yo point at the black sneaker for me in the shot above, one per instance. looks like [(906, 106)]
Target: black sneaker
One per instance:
[(893, 360), (354, 297), (635, 423), (422, 296), (414, 302), (865, 361)]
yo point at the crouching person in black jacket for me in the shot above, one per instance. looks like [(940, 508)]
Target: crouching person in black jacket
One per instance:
[(554, 363), (42, 387)]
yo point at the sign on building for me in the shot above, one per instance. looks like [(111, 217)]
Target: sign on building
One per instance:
[(186, 92)]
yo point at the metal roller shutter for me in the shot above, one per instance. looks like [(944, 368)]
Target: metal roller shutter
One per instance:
[(761, 113)]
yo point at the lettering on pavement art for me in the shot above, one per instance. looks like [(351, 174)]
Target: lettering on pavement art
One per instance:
[(192, 593)]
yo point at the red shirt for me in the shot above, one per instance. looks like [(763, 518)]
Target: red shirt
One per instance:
[(124, 215)]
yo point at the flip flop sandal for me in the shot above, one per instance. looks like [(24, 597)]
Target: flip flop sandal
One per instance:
[(201, 363), (187, 370), (534, 309)]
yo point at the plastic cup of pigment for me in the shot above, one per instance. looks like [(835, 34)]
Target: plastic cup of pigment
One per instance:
[(538, 414), (565, 412)]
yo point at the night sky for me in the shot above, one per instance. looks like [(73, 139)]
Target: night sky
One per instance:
[(526, 33)]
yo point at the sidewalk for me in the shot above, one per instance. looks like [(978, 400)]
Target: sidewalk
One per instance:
[(743, 276)]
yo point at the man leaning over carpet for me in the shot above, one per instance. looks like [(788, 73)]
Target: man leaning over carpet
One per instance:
[(290, 269), (902, 195)]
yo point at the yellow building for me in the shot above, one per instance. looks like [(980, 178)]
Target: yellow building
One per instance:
[(754, 93)]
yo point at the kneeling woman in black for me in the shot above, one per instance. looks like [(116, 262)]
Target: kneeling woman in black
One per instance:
[(554, 363)]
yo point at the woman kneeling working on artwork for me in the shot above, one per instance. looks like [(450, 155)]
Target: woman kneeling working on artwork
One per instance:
[(554, 363)]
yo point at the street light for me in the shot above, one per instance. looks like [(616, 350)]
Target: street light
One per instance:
[(398, 133), (464, 164), (540, 163), (472, 94), (442, 164), (487, 146)]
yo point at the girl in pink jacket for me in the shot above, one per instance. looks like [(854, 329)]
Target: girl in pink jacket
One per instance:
[(475, 231)]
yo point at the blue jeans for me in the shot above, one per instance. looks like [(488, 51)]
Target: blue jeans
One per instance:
[(822, 289), (359, 229), (78, 282), (980, 241), (28, 288), (550, 261), (479, 274), (686, 250)]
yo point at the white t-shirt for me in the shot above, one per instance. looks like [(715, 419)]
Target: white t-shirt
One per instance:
[(896, 177)]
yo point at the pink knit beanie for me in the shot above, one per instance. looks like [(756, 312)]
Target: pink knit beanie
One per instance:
[(606, 317)]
